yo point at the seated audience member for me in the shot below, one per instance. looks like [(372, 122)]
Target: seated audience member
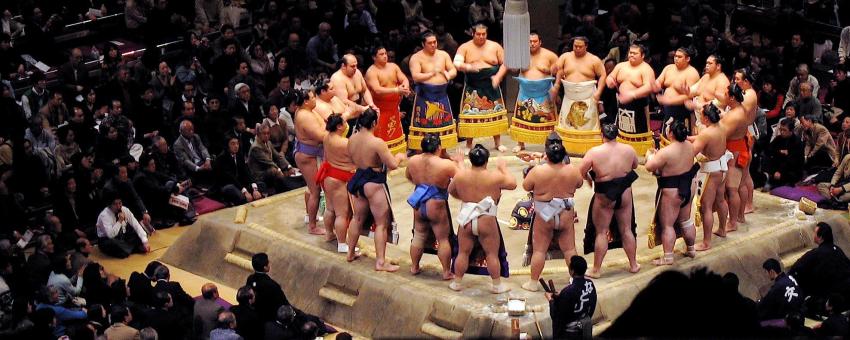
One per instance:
[(59, 278), (39, 263), (268, 165), (140, 284), (157, 190), (110, 148), (226, 329), (192, 153), (843, 141), (836, 323), (183, 303), (66, 148), (836, 190), (248, 323), (119, 233), (239, 130), (164, 319), (96, 285), (819, 147), (283, 326), (784, 298), (795, 85), (823, 271), (80, 256), (206, 311), (72, 207), (64, 316), (167, 163), (279, 131), (808, 104), (120, 329), (575, 303), (121, 185), (784, 164), (665, 293), (234, 183)]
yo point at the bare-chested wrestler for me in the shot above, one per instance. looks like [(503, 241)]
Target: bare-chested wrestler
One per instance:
[(712, 87), (350, 86), (583, 76), (710, 148), (675, 168), (333, 176), (327, 102), (736, 123), (676, 80), (388, 84), (554, 184), (634, 80), (309, 134), (535, 114), (431, 70), (431, 175), (613, 167), (368, 187), (482, 108), (745, 80), (480, 190)]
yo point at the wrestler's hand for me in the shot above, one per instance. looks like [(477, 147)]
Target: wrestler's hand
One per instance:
[(835, 191), (553, 95), (495, 82), (248, 197), (401, 158), (457, 157), (257, 195), (777, 175), (610, 82), (403, 90), (625, 98)]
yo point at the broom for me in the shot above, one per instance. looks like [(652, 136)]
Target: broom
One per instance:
[(515, 33)]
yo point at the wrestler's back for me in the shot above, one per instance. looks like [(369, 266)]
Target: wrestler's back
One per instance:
[(612, 160), (554, 181), (431, 170), (364, 151), (475, 184), (679, 158), (735, 122), (336, 152), (715, 142)]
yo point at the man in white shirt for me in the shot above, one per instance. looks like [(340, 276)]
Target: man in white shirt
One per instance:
[(119, 232)]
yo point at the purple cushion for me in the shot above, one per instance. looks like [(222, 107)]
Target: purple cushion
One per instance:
[(795, 193), (205, 205)]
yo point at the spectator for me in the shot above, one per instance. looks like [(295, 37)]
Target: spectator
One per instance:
[(572, 308), (120, 329), (66, 148), (164, 319), (836, 324), (141, 290), (245, 105), (820, 150), (80, 256), (97, 319), (119, 232), (838, 94), (239, 130), (206, 313), (55, 113), (157, 191), (73, 75), (243, 75), (808, 104), (37, 96), (192, 153), (148, 333), (783, 299), (234, 183), (121, 186), (843, 143), (844, 46), (183, 303), (594, 35), (321, 50), (248, 324), (261, 64), (283, 326), (135, 14), (148, 119), (42, 139), (167, 163), (59, 279), (279, 93), (268, 294), (279, 131), (824, 270), (784, 164), (226, 329), (225, 65), (209, 12), (65, 316), (40, 261), (267, 165), (294, 54), (803, 76), (96, 285)]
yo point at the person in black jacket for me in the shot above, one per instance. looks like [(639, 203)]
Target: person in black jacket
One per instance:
[(573, 304), (183, 303), (164, 319), (248, 323), (784, 298), (269, 295), (234, 184), (823, 271), (785, 156), (156, 190), (284, 326), (140, 284)]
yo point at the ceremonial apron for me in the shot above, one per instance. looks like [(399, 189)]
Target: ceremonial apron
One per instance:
[(432, 113), (632, 118), (389, 122), (482, 109), (534, 113), (578, 109)]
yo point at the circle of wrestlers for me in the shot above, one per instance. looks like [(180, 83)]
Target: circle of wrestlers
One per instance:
[(351, 126)]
